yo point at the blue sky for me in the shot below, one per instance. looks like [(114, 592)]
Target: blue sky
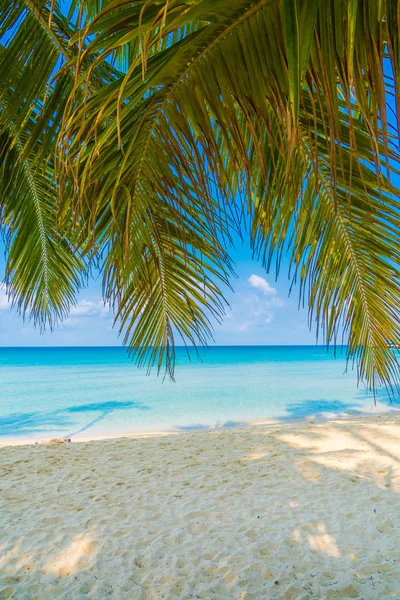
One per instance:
[(260, 312)]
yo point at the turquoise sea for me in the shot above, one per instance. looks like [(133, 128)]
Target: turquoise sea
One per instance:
[(85, 392)]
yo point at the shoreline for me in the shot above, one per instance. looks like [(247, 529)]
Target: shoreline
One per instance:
[(291, 511), (374, 411)]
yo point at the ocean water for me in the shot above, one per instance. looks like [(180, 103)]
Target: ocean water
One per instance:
[(89, 392)]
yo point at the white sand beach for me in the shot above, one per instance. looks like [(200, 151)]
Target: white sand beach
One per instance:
[(295, 511)]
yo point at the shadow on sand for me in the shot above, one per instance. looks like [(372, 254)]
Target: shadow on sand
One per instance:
[(303, 410), (63, 419), (297, 411), (218, 426)]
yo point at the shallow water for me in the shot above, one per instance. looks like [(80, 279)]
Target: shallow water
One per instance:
[(53, 392)]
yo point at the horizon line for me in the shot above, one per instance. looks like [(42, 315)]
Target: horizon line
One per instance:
[(209, 347)]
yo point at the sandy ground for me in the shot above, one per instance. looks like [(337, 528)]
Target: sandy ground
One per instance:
[(294, 511)]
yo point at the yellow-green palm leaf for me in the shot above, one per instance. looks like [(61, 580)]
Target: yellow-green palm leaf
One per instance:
[(181, 115)]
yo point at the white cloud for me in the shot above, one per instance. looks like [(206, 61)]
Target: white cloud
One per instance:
[(245, 326), (275, 302), (84, 308), (258, 304), (253, 311), (85, 311), (87, 308), (262, 284), (269, 317)]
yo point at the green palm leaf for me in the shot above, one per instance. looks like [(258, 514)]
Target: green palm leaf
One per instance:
[(43, 271), (176, 111)]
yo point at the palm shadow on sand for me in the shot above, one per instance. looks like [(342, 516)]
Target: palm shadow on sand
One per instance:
[(25, 423), (305, 409)]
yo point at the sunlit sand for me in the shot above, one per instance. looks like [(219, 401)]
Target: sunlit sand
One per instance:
[(294, 511)]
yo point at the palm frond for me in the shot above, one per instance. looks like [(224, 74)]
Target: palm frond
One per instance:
[(284, 102), (43, 270), (166, 285)]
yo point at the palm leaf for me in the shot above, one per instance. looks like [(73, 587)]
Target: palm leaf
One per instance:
[(43, 273), (276, 100), (44, 268), (172, 114)]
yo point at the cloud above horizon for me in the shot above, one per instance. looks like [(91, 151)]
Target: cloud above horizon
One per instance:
[(83, 308), (86, 311), (253, 311), (262, 284), (87, 308)]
